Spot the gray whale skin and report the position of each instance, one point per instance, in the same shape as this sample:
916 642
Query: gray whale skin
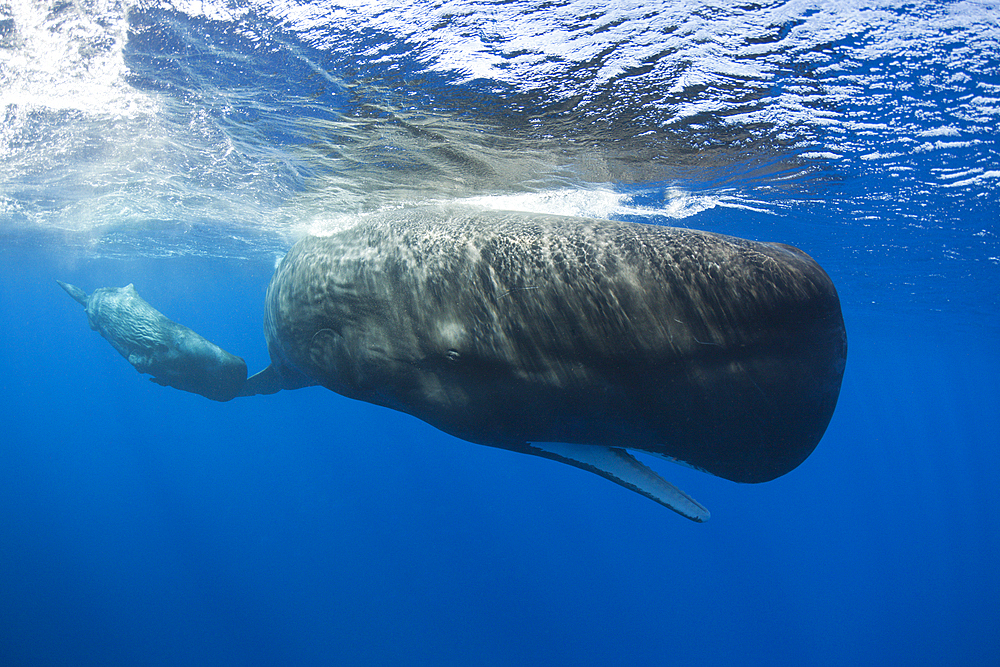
567 338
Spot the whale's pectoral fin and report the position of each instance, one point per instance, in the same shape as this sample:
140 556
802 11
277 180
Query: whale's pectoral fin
268 381
622 468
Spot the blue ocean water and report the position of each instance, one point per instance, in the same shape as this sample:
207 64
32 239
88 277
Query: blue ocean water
184 146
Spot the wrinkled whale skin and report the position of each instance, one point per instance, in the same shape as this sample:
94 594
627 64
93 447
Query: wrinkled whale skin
507 329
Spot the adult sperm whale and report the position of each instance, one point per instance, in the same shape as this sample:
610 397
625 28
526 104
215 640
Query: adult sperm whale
566 338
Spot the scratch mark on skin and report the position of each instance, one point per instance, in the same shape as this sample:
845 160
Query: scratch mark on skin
515 290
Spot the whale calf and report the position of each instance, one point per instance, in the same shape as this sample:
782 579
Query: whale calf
173 354
568 338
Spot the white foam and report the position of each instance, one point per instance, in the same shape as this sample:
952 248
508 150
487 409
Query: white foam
69 56
597 203
945 131
820 155
601 203
974 180
879 156
957 174
593 203
927 146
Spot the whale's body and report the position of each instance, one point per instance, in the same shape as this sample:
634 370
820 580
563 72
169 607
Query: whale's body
568 338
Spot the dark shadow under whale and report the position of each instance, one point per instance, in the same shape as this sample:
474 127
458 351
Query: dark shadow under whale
562 337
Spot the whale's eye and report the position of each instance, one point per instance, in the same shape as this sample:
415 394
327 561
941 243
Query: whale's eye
452 355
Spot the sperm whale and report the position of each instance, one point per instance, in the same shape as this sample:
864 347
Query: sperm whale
572 339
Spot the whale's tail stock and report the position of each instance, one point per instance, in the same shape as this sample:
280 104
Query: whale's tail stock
78 294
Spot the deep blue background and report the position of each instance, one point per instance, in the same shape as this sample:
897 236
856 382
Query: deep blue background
143 525
140 525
